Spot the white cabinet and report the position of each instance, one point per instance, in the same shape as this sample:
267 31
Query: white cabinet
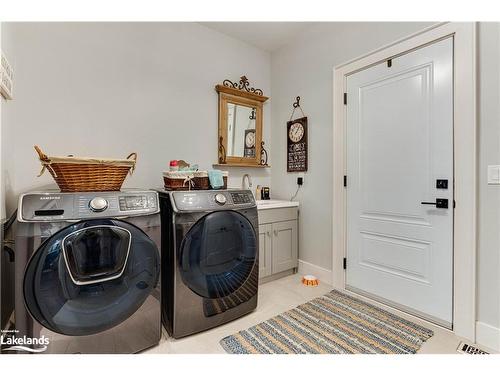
278 242
284 251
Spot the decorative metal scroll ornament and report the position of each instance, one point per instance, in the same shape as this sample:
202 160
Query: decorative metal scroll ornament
252 115
243 85
263 154
222 151
296 105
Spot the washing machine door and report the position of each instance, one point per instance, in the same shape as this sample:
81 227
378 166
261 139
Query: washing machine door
217 254
90 276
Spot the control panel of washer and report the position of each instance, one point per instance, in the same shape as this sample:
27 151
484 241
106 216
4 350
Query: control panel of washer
212 200
56 206
242 198
137 202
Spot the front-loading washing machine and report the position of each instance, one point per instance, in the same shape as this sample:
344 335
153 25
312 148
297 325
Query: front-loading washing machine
210 262
88 272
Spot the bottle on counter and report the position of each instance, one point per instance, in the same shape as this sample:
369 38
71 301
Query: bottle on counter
258 192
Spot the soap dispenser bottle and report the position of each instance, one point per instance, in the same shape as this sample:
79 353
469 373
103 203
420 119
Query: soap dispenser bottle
258 193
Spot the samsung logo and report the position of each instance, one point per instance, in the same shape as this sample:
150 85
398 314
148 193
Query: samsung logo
49 198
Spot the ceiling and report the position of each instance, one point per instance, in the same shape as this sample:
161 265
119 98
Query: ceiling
268 36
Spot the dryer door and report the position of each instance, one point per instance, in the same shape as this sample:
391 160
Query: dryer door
217 254
90 276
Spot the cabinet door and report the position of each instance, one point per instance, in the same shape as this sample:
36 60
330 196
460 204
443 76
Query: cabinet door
285 241
265 249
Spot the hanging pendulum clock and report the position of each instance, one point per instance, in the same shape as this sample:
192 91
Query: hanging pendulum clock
297 145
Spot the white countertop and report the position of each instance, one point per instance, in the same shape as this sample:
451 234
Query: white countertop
275 203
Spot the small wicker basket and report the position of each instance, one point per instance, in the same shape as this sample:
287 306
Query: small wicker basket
74 174
189 180
176 180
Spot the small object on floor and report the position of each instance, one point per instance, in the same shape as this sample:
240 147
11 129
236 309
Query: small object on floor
469 349
333 323
310 280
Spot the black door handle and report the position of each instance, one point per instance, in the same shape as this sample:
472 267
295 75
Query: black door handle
439 203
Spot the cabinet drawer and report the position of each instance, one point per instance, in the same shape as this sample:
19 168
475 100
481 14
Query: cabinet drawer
277 214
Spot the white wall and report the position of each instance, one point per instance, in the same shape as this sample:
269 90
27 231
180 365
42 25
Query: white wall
488 271
107 89
305 68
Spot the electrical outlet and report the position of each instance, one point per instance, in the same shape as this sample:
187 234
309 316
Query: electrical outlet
300 180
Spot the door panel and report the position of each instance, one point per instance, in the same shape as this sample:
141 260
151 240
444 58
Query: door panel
285 241
217 254
96 254
395 255
399 142
265 249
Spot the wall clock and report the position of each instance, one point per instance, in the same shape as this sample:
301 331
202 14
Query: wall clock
297 145
296 132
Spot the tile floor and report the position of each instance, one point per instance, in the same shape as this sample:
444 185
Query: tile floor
274 298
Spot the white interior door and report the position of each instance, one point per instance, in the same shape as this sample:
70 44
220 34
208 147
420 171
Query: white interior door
399 144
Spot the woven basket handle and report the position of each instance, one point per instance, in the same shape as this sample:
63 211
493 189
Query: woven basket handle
133 155
45 161
41 155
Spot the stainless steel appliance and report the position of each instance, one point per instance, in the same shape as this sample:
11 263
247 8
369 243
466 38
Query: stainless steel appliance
87 271
209 258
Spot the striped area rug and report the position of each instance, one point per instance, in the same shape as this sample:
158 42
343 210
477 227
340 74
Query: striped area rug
333 323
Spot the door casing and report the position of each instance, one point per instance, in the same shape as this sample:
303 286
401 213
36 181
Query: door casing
465 160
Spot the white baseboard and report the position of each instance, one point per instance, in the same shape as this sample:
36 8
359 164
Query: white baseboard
323 275
488 336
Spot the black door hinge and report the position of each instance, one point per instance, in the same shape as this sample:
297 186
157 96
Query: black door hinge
345 263
389 63
345 181
454 203
345 98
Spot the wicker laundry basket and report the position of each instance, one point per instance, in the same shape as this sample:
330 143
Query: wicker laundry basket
87 174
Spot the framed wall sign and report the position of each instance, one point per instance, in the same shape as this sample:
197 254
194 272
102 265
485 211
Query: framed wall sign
297 145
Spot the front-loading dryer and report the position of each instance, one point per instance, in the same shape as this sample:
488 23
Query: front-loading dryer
210 262
88 272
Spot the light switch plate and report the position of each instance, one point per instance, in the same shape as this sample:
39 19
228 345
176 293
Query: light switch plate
493 174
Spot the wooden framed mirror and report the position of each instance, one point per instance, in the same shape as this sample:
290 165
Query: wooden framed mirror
240 123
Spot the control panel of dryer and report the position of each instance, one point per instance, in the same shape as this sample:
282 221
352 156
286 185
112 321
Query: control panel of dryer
210 200
55 206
